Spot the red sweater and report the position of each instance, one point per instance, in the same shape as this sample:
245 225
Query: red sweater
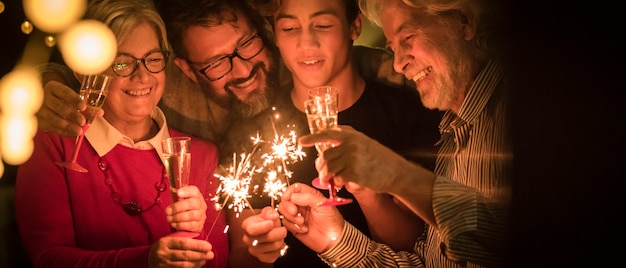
70 219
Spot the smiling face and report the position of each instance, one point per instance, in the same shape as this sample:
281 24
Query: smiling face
132 98
432 50
314 39
246 89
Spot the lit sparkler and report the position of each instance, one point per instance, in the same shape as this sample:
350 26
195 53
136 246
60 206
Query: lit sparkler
285 150
235 181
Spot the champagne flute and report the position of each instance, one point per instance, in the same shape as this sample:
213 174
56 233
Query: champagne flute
177 160
93 91
321 112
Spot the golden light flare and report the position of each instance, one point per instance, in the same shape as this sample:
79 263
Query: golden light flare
54 16
88 47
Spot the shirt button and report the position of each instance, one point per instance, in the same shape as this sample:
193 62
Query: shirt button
102 165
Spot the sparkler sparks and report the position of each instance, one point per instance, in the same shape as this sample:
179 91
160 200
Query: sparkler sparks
236 179
235 183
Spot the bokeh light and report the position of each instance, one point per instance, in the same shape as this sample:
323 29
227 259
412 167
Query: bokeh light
16 140
21 92
21 96
50 41
88 47
54 16
26 27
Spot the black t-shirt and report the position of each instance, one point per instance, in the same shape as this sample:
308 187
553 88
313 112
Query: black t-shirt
395 117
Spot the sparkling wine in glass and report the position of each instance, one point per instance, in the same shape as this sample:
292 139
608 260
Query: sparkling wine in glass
321 112
93 91
177 160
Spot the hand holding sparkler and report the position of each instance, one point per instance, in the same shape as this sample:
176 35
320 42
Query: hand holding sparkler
265 236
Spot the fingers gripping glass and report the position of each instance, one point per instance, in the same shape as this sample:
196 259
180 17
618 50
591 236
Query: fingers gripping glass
177 160
219 68
93 91
126 65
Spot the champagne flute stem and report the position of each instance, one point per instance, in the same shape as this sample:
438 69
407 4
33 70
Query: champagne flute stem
175 196
77 144
331 189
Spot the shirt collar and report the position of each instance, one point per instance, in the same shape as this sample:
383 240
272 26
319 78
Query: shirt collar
477 96
104 137
481 90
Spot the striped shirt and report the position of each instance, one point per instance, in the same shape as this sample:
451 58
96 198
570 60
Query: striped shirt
471 193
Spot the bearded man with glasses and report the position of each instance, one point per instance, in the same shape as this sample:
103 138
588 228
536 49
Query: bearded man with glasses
220 67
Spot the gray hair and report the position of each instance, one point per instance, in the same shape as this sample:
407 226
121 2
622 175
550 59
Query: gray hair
486 13
122 16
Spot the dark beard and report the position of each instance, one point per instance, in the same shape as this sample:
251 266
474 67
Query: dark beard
258 100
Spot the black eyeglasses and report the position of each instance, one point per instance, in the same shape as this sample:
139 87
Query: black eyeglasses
219 68
126 65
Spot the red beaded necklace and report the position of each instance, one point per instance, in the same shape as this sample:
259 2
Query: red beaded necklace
132 208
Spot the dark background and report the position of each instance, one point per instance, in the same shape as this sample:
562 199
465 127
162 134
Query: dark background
568 190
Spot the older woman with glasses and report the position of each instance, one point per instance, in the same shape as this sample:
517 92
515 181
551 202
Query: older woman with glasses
72 219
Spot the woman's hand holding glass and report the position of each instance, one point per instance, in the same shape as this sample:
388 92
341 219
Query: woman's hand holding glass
93 91
61 110
177 159
189 212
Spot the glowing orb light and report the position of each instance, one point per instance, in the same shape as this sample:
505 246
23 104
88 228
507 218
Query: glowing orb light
21 92
26 27
50 41
54 16
88 47
16 143
21 97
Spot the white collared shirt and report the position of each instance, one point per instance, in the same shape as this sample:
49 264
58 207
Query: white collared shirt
104 137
